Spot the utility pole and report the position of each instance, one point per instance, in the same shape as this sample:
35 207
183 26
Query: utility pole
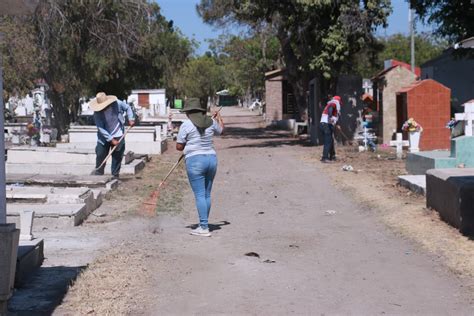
411 19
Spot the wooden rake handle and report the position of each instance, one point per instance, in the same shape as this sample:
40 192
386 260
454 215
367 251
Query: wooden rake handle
172 169
113 149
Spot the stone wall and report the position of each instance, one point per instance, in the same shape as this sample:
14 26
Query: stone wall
429 103
394 80
274 98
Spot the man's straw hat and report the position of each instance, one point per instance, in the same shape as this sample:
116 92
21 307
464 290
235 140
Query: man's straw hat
102 101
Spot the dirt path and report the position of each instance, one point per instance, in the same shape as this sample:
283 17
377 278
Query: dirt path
320 252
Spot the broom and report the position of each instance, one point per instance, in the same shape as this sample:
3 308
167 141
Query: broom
152 201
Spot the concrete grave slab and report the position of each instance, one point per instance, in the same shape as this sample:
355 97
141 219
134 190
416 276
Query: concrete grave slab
451 193
415 183
89 134
461 153
53 195
419 163
139 147
58 215
45 155
70 169
90 181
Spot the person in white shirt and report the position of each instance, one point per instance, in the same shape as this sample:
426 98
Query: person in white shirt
195 140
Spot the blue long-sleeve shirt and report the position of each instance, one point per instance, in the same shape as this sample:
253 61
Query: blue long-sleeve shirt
107 131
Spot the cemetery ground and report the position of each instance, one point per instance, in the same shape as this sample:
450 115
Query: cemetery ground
290 235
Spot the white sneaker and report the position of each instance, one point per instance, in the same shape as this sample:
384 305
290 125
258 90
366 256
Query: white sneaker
201 232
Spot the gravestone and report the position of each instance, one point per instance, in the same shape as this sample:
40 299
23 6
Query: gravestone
467 117
26 225
54 161
20 110
399 143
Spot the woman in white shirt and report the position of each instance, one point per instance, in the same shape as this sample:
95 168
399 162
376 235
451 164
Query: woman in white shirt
195 140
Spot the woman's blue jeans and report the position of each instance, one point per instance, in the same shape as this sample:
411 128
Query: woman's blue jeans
201 171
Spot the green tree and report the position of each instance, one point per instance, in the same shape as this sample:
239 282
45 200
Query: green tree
397 47
81 47
245 61
21 57
202 77
454 19
87 45
320 36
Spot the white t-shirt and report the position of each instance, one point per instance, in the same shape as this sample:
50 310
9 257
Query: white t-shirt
197 144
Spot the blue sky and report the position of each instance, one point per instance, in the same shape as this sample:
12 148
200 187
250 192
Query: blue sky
185 17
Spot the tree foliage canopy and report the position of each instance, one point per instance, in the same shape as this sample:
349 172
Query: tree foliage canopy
81 47
454 18
397 47
320 36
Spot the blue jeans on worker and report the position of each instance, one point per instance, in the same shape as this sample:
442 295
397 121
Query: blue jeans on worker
102 150
328 140
201 171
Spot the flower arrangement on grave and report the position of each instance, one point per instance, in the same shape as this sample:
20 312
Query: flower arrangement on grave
451 123
33 131
412 126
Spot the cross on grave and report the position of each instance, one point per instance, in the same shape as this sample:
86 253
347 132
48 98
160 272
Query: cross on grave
467 116
399 143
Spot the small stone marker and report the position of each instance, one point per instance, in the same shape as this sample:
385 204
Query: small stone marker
399 143
26 225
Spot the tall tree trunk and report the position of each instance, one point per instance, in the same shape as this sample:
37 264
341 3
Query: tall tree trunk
61 112
297 79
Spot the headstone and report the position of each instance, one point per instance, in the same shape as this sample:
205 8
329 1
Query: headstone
26 225
15 139
399 143
45 138
20 110
468 117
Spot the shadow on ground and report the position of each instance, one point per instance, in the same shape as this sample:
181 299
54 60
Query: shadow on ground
212 227
262 137
44 291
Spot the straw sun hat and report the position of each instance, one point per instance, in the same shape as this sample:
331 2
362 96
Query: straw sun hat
102 101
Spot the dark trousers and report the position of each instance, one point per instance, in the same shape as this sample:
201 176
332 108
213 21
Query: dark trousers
102 151
327 131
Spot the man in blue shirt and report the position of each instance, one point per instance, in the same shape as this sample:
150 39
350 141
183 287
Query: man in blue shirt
110 122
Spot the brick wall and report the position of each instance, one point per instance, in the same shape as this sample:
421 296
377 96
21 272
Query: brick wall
395 79
429 104
274 98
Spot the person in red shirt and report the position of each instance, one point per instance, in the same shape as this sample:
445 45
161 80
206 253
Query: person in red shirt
329 119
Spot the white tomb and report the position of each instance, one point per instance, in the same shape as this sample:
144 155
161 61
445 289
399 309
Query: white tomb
147 140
